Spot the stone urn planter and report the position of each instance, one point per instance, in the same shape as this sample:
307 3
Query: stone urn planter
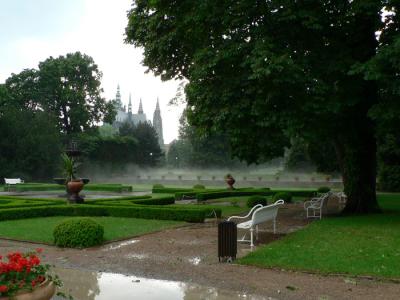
74 187
230 181
44 291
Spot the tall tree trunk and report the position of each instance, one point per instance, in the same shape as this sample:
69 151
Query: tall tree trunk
356 151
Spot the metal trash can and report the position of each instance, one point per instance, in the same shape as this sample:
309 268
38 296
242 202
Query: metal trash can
227 241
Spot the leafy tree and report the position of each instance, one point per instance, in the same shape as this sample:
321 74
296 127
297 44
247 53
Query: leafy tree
202 150
30 144
70 88
148 151
67 87
265 71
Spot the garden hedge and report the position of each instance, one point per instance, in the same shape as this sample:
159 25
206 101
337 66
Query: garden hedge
107 187
135 211
233 193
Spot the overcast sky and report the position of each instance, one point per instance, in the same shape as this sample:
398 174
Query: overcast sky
31 31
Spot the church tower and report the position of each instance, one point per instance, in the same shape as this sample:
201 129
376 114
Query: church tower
140 111
157 124
130 107
118 102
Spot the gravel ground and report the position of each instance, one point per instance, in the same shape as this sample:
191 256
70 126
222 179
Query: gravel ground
189 254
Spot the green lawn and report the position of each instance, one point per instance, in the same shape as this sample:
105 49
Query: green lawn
41 229
359 245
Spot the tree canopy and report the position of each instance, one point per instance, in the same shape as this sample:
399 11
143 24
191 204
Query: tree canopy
68 87
265 71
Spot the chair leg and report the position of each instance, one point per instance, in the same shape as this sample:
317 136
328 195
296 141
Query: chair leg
251 237
256 232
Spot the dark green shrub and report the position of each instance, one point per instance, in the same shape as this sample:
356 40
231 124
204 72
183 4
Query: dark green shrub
286 196
78 233
389 178
323 189
170 190
158 186
254 200
233 193
199 187
298 193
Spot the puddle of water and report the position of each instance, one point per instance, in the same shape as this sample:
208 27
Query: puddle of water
136 256
86 285
195 260
120 245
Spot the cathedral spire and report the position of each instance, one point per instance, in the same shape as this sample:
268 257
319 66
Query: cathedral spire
140 111
157 124
130 104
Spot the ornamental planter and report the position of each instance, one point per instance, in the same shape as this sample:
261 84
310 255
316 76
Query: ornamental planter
74 187
44 291
230 182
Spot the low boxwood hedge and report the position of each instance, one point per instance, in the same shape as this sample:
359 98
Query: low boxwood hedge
134 211
106 187
78 233
225 194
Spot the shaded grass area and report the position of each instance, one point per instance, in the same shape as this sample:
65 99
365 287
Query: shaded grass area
41 229
356 245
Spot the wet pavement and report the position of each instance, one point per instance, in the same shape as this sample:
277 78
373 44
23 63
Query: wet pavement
86 285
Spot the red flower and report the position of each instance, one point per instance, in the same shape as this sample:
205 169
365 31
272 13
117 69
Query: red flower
3 288
39 250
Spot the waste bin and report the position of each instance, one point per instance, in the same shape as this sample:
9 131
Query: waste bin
227 241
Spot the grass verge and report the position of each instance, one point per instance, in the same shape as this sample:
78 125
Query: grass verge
41 229
357 245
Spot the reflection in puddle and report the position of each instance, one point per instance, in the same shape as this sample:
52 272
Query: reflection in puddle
195 260
120 245
136 256
86 285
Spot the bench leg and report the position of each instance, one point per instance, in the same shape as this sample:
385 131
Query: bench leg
251 236
274 226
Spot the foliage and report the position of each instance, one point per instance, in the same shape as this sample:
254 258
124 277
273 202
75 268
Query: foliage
158 186
148 152
196 149
78 233
69 167
286 196
389 162
323 189
141 212
254 200
231 193
30 144
199 187
257 76
22 272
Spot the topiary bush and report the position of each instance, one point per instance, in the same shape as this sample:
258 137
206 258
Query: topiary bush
78 233
286 196
158 186
199 187
254 200
323 189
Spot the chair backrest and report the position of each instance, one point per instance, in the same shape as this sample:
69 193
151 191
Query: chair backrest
266 213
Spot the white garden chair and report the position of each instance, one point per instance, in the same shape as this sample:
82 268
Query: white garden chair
316 206
259 214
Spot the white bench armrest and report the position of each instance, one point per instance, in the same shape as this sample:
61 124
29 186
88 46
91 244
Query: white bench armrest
246 216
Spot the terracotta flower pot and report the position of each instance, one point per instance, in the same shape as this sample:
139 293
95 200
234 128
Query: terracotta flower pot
44 291
73 188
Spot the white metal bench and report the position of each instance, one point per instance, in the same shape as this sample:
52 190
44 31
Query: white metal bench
259 214
11 181
317 205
